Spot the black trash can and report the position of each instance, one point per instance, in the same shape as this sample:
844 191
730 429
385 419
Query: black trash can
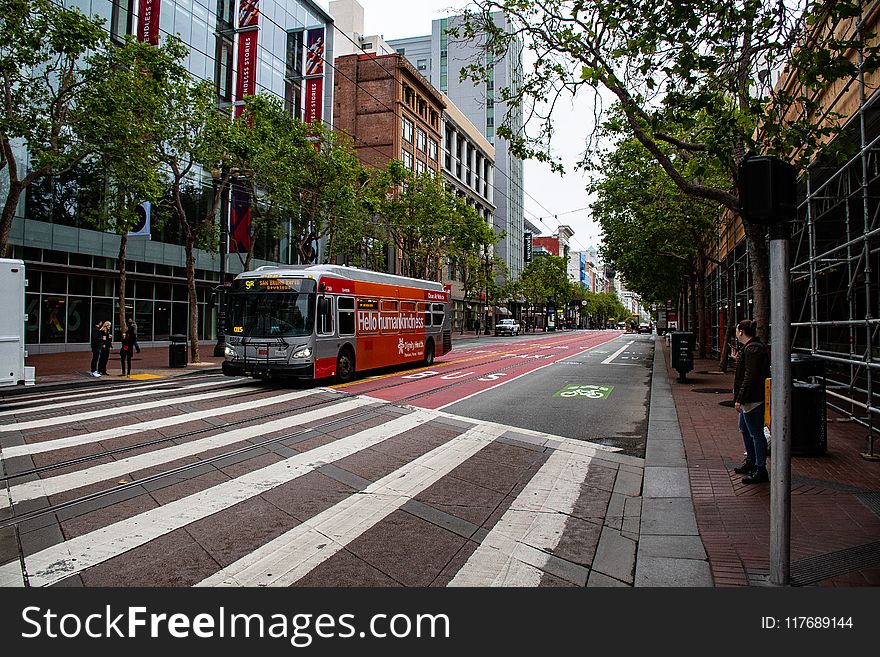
177 351
682 352
809 417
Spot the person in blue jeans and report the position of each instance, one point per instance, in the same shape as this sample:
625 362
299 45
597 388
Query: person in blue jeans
752 369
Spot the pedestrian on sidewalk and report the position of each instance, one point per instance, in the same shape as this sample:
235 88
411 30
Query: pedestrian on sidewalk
97 341
752 369
129 344
106 344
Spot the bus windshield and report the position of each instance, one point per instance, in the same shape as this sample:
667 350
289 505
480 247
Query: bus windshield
271 315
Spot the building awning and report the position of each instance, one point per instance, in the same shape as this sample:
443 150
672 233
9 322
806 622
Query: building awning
501 310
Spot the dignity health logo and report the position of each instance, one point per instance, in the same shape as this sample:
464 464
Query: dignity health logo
400 346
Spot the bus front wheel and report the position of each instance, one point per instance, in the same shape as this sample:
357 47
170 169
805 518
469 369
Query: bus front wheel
429 353
344 366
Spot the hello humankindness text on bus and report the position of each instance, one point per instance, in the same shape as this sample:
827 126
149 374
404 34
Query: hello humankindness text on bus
384 322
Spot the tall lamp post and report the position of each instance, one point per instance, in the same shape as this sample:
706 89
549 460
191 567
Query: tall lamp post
220 347
486 306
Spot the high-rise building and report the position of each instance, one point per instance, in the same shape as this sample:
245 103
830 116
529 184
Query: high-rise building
279 47
440 57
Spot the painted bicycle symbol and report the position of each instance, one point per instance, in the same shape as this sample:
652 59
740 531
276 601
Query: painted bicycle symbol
587 391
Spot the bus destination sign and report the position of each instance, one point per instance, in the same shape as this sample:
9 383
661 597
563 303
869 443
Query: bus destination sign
273 284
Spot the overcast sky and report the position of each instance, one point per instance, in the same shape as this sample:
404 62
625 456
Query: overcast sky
546 193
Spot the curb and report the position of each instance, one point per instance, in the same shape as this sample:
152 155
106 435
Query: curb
670 551
74 384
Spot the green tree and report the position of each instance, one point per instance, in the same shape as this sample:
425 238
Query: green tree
656 236
121 113
42 78
701 78
201 148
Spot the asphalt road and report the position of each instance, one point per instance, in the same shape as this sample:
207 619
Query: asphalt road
496 466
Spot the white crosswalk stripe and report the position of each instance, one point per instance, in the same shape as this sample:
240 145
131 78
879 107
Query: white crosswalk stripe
145 391
75 555
71 481
516 549
517 540
161 423
289 557
119 410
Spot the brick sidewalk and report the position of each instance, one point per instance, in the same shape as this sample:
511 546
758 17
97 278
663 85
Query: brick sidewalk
835 534
151 362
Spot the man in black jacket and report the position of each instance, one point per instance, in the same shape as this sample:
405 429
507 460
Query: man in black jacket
752 369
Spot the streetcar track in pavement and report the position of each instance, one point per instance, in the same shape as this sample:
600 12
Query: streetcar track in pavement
17 519
266 416
96 389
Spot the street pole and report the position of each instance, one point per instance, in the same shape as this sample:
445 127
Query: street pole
780 407
220 347
486 307
768 197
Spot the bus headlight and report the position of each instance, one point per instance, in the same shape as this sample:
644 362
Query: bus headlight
305 352
229 351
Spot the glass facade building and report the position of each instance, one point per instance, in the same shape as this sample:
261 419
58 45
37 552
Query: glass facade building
72 268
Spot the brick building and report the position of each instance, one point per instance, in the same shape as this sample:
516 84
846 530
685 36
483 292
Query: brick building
390 110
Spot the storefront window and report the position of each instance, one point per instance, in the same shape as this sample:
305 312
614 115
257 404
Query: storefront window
32 325
78 325
143 317
52 320
162 319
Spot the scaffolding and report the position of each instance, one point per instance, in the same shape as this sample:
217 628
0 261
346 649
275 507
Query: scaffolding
835 273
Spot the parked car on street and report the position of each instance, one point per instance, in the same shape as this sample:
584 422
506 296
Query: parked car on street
646 328
507 327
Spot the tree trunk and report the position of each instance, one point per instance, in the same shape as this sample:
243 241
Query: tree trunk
701 307
759 265
9 207
191 296
123 244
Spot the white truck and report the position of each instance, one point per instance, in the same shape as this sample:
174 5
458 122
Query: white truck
12 320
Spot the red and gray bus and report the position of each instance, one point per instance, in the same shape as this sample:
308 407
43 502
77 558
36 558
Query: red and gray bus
319 321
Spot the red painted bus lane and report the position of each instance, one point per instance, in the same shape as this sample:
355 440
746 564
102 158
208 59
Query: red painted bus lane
475 371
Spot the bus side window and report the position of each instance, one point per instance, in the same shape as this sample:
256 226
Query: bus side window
439 311
426 309
325 315
345 306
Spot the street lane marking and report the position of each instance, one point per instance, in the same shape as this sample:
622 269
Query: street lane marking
617 353
140 392
516 550
60 561
161 423
73 480
584 391
488 354
495 387
118 410
286 559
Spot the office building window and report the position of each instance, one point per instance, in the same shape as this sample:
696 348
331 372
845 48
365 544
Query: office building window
432 149
121 20
421 139
422 64
407 130
408 160
294 55
421 167
223 69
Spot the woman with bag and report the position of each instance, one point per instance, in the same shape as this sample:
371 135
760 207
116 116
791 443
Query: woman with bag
106 344
129 344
